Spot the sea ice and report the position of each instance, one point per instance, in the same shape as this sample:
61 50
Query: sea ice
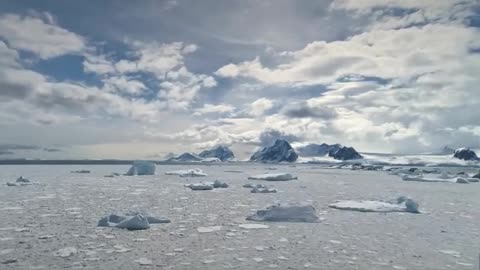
286 213
141 167
401 204
187 173
273 177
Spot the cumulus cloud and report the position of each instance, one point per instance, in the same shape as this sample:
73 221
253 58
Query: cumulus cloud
40 36
216 109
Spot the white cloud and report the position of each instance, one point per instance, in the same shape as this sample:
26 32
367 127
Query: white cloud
39 36
260 106
401 54
124 85
218 109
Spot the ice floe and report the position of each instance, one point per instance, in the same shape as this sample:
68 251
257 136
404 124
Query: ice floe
131 221
401 204
209 229
141 167
81 171
263 189
188 173
273 177
442 178
200 186
21 181
253 226
286 213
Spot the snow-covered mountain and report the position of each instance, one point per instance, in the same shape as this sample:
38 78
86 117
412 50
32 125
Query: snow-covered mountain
335 151
223 153
280 151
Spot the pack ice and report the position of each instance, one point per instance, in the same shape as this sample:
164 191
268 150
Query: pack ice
286 213
273 177
141 167
401 204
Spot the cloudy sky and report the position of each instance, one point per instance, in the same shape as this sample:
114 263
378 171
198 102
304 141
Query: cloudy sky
135 79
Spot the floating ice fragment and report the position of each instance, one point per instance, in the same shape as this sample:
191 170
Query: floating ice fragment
200 186
141 167
143 261
188 173
65 252
286 213
131 221
401 204
209 229
273 177
253 226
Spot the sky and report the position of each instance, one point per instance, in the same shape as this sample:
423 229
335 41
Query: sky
140 79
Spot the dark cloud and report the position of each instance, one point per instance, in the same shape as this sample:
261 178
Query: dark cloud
303 110
4 152
268 137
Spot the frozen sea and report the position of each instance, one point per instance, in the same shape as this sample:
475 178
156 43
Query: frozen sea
52 224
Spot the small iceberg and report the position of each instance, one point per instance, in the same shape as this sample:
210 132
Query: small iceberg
21 181
438 178
286 213
200 186
207 186
219 184
188 173
80 171
141 167
273 177
401 204
130 221
263 189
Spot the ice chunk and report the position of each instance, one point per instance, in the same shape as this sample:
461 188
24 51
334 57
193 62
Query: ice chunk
141 167
253 226
137 222
65 252
273 177
132 221
200 186
248 186
286 213
188 173
151 219
209 229
81 171
219 184
462 180
263 189
22 179
401 204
